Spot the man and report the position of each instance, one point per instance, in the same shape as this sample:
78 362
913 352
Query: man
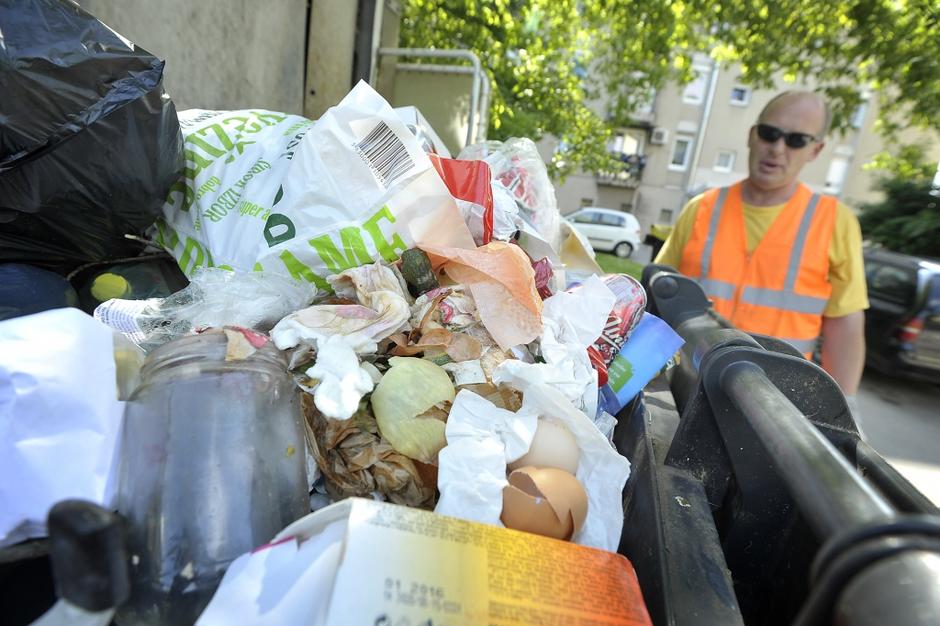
774 257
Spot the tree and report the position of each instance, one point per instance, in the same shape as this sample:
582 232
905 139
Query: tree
908 219
577 68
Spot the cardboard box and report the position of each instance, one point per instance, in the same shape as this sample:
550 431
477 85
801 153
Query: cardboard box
398 566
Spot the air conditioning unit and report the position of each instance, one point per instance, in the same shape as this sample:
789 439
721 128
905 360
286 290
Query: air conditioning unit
659 136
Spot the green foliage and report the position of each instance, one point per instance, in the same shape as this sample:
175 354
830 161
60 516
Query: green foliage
908 220
538 52
910 163
615 265
534 53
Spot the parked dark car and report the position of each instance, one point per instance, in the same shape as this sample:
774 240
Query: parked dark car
902 327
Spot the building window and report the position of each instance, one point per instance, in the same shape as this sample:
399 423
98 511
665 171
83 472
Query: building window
681 153
694 92
665 216
622 143
616 143
724 161
587 202
740 96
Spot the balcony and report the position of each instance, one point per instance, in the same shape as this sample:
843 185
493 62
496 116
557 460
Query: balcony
626 171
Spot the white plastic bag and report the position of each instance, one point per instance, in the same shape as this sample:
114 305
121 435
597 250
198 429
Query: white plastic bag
280 193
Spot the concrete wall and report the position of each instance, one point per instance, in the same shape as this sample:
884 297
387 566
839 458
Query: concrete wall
616 198
220 54
330 54
577 190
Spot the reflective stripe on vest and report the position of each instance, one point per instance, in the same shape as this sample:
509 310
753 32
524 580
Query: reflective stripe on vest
804 346
712 231
712 287
717 288
786 300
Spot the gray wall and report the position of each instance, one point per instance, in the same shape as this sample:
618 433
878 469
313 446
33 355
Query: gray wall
220 54
329 54
443 99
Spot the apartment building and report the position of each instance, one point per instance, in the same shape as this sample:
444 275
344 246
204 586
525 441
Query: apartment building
692 137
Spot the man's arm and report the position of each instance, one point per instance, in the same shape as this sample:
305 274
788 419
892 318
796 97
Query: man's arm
843 349
671 252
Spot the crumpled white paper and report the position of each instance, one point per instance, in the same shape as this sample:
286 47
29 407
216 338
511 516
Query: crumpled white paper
570 323
342 380
59 417
288 582
466 372
481 440
601 470
340 332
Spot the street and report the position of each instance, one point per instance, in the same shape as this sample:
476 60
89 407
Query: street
901 420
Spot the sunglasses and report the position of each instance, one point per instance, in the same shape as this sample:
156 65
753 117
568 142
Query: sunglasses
771 134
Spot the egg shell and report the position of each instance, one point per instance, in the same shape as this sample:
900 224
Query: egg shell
552 446
545 501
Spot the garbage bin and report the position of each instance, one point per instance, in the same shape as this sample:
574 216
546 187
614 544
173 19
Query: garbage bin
753 500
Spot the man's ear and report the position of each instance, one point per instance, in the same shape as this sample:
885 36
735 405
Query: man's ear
817 148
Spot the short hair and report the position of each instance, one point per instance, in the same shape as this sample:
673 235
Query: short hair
827 111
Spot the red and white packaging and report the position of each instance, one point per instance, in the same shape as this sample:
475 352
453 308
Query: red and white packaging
469 182
624 317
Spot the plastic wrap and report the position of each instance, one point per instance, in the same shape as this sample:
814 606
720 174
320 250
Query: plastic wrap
214 298
518 168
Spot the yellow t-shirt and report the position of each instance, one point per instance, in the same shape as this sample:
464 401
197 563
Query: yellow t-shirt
846 267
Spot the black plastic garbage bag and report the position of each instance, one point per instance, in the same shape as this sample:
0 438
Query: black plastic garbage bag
89 142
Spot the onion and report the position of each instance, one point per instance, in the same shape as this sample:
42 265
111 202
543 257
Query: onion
405 407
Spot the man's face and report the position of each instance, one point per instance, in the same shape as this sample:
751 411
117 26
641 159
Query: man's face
774 165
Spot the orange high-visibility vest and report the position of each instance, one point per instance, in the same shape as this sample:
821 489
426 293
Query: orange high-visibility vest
781 289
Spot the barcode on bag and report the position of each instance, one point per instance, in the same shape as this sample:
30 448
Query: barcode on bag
385 153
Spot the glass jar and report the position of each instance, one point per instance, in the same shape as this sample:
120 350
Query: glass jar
212 466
